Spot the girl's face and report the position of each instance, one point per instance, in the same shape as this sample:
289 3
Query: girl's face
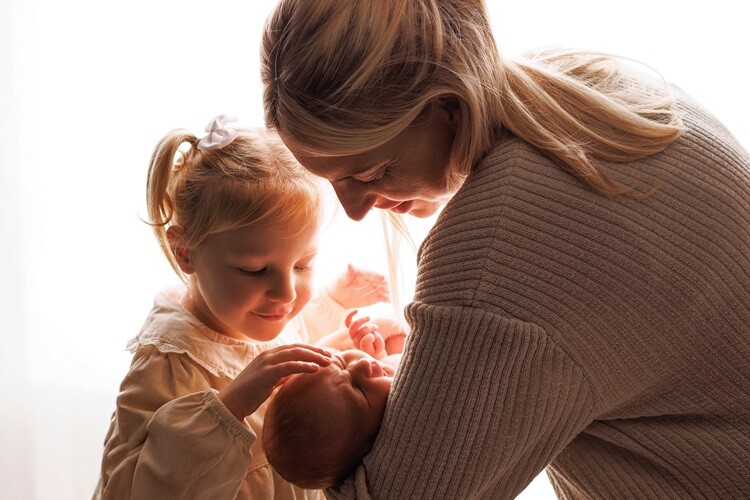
405 174
249 282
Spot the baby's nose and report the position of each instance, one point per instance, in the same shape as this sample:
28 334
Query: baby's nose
362 367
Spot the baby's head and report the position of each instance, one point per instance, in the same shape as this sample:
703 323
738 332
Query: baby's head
319 426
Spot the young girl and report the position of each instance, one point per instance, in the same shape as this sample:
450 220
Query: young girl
238 220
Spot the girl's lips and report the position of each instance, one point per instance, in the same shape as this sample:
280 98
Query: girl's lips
272 317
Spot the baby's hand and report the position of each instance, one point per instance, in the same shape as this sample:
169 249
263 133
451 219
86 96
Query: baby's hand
255 383
365 335
392 332
359 288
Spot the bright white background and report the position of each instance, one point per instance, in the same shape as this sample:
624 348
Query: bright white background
86 90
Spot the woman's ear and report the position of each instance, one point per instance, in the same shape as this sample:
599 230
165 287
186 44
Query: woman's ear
178 244
451 105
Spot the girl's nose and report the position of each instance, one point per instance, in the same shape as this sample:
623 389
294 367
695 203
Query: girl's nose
282 289
354 198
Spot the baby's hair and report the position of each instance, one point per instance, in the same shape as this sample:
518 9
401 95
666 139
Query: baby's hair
305 446
577 107
254 179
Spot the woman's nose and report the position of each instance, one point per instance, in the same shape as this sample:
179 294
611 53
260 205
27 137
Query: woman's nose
354 198
282 289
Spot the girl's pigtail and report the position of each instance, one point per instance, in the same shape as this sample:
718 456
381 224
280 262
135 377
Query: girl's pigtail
164 172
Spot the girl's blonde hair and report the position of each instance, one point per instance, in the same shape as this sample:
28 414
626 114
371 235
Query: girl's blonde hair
253 179
342 77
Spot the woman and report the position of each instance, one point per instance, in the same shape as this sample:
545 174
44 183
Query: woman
583 301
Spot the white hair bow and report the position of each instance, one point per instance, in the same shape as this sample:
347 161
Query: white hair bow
219 134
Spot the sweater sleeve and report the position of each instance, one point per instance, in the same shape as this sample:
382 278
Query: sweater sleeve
480 404
170 435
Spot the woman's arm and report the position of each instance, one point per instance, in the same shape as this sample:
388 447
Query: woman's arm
479 406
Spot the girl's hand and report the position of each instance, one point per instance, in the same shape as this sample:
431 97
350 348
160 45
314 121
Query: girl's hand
359 288
254 384
365 335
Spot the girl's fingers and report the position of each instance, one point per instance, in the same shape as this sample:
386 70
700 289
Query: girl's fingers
299 352
284 370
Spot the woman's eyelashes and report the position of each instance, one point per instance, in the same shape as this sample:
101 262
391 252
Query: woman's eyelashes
255 273
379 175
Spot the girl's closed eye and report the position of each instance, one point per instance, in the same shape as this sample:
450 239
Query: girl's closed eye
253 272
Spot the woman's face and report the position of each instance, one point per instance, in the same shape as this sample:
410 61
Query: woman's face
405 174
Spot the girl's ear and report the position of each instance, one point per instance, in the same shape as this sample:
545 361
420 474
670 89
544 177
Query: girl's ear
451 105
177 242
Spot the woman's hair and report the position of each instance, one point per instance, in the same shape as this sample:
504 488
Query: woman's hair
207 191
342 77
305 445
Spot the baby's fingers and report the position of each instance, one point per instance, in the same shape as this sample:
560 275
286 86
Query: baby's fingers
373 344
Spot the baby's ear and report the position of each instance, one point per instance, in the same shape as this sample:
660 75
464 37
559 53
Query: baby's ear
178 245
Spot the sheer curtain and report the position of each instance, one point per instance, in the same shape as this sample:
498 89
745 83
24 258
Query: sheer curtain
86 90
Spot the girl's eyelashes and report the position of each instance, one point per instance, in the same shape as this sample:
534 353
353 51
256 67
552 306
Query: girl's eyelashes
251 272
260 272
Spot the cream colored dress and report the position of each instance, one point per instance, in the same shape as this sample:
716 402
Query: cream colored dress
170 436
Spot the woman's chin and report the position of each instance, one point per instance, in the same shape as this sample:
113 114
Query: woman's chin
424 209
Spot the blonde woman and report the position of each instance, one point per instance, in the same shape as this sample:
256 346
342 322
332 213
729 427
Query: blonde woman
583 300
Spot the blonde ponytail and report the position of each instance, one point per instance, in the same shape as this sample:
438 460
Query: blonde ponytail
253 179
160 183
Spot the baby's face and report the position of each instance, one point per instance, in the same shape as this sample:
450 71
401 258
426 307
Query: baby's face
354 383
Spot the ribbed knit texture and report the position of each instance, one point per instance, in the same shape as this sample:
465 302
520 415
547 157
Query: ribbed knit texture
607 337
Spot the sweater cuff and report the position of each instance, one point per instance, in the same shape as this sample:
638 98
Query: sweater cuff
226 419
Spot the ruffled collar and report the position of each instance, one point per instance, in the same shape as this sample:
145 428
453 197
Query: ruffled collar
171 328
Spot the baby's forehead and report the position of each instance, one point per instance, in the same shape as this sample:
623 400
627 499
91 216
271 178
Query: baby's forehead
325 383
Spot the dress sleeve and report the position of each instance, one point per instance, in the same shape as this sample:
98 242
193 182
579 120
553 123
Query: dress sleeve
171 435
479 406
322 316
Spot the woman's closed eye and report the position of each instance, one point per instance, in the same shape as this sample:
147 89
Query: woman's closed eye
378 176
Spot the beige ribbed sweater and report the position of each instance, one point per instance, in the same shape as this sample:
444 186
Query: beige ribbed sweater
608 338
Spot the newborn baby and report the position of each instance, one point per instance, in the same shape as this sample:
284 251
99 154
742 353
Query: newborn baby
319 426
